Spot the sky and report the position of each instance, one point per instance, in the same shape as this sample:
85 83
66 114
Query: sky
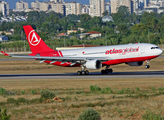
12 3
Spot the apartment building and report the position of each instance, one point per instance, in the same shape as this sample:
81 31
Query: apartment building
45 6
134 6
58 8
36 5
57 1
85 9
97 7
73 8
117 3
4 8
22 5
146 3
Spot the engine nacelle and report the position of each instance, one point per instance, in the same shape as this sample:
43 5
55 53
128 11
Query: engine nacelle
135 63
93 64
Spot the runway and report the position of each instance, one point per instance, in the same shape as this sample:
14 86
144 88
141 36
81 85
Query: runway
95 75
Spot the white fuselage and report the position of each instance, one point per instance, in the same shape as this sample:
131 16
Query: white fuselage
116 51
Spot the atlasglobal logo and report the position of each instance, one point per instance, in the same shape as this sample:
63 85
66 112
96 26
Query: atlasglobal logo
122 51
33 39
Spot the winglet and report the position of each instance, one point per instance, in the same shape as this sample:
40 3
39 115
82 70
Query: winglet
5 54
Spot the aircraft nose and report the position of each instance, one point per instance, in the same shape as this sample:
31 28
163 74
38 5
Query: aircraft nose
160 51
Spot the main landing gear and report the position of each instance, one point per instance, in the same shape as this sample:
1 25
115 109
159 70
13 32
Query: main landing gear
83 71
147 64
106 71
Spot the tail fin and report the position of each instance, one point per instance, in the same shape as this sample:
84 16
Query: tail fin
36 43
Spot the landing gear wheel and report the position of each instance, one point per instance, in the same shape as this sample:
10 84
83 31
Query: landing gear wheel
79 72
147 66
102 71
87 72
83 72
110 70
106 71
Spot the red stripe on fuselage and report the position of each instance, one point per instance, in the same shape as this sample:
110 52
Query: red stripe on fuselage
61 53
127 60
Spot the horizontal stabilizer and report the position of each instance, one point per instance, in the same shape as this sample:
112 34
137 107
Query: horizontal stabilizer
5 54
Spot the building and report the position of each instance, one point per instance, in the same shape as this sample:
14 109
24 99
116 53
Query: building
81 29
117 3
22 5
36 5
97 7
58 8
107 19
141 4
71 31
57 1
153 8
73 8
4 8
162 4
134 6
44 6
85 9
3 38
146 3
160 10
94 34
108 7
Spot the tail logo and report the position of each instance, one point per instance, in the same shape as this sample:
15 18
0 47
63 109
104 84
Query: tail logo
33 39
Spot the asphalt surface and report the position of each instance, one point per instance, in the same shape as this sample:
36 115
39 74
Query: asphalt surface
94 75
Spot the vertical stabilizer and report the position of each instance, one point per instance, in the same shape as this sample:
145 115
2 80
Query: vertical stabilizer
36 43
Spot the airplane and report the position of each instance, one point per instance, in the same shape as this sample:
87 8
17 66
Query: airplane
90 58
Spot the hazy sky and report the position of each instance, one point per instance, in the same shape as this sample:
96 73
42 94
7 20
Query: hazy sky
12 3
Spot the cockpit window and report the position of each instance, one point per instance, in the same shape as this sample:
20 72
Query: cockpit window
154 47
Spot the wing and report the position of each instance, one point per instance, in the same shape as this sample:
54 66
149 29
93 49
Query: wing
63 59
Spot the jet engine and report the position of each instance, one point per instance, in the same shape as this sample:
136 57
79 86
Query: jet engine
135 63
93 64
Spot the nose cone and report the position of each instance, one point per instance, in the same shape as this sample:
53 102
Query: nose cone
160 51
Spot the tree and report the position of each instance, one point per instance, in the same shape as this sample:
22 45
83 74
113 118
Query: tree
123 29
124 10
85 21
105 13
118 18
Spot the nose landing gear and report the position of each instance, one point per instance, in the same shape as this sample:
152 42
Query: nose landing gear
106 71
147 64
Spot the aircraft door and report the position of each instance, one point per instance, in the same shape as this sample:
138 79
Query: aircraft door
142 51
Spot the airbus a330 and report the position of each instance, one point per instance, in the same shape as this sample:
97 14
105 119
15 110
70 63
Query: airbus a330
90 58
